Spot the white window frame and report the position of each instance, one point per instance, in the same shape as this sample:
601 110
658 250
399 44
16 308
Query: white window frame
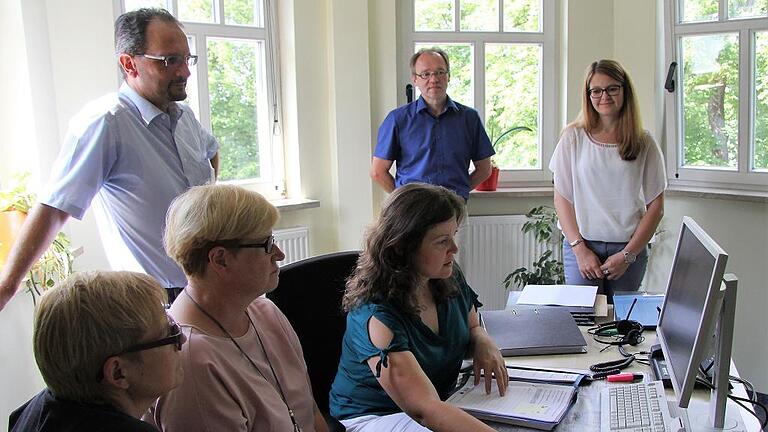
548 132
741 178
272 183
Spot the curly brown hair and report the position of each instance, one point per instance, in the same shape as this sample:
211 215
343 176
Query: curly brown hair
386 270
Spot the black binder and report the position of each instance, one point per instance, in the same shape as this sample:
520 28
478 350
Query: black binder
529 330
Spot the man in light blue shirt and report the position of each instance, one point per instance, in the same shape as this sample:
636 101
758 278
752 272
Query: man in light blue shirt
132 153
433 138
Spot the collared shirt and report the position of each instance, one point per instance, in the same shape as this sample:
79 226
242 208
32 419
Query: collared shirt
434 150
134 159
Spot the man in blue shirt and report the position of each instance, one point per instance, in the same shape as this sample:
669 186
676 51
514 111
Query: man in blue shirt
131 153
433 138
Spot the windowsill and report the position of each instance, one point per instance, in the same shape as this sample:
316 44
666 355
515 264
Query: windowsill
672 191
293 204
514 192
715 193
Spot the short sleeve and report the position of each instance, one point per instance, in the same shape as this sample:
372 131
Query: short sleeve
357 327
483 149
561 163
387 143
654 175
83 165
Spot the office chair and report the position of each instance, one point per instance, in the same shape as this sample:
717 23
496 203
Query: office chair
309 294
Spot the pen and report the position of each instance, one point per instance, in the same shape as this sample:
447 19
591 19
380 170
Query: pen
625 377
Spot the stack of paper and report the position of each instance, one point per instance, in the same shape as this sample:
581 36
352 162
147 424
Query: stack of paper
582 301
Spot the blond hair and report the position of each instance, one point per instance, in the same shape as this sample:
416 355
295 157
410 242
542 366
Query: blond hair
87 318
205 216
631 138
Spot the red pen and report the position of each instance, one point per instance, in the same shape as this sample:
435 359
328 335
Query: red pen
625 377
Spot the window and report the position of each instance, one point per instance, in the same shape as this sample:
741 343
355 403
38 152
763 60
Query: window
232 89
502 64
718 113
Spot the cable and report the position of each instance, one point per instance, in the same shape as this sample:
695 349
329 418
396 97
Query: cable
736 399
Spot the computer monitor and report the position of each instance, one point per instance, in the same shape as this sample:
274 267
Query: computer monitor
696 307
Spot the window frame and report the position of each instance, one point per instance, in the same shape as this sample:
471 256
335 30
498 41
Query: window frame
549 77
742 178
272 187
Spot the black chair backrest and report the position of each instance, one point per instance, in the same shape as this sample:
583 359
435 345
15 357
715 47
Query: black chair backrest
309 294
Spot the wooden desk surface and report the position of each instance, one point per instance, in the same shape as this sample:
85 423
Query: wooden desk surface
585 414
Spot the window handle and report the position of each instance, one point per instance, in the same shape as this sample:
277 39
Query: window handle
409 93
669 84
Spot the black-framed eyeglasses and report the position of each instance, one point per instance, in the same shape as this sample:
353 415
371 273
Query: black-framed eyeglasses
268 245
172 61
174 338
438 74
597 92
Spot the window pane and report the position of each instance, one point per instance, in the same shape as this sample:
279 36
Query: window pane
460 87
433 15
699 10
193 93
131 5
238 106
513 99
710 100
479 15
760 160
747 8
244 12
522 15
196 11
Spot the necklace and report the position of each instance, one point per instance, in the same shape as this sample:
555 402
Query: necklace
296 427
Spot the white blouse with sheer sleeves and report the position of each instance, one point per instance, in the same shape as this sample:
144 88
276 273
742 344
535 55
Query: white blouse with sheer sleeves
609 195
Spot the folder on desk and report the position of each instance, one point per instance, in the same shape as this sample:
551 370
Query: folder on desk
538 405
529 330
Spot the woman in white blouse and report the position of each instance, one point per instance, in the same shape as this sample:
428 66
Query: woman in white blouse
609 184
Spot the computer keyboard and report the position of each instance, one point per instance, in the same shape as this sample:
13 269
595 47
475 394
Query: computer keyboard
640 407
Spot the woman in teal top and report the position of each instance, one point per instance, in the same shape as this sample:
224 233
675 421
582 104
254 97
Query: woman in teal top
411 320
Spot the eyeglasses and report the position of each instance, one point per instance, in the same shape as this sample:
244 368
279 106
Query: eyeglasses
175 338
173 61
597 92
267 245
438 74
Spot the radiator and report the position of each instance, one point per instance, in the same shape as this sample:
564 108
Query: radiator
294 242
490 248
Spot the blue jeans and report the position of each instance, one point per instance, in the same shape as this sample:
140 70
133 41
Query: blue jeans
629 281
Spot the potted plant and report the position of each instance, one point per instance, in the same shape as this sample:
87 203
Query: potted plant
492 181
542 221
56 263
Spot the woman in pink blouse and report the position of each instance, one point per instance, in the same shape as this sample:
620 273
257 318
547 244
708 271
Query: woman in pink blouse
243 365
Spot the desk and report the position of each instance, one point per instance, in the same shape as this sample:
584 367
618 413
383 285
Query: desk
585 414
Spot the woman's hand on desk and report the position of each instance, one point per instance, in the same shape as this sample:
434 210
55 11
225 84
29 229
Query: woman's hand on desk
486 357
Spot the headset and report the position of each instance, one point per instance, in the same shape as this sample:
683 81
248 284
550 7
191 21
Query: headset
626 331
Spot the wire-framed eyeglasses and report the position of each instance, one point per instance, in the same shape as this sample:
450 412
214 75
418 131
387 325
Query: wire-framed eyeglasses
172 61
597 92
438 74
268 245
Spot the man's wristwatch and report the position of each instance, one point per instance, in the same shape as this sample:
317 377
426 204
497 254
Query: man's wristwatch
629 257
